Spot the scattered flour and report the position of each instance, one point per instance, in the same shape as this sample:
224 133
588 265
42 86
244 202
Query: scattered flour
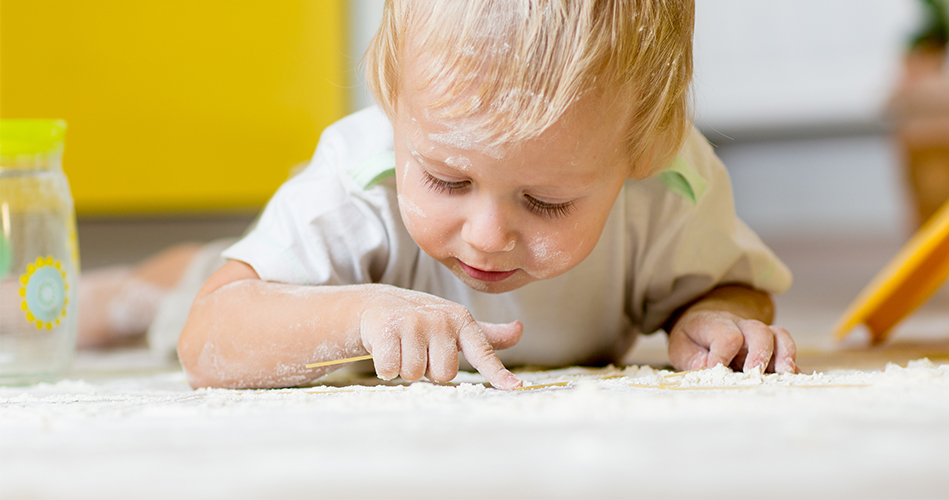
549 261
466 138
409 206
169 387
606 432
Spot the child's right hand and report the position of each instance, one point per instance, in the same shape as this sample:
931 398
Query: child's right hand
413 334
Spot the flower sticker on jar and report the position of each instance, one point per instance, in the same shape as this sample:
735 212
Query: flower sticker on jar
44 293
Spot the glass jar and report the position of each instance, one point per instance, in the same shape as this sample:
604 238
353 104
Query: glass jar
39 254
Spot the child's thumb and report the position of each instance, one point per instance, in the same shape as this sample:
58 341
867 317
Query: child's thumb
502 336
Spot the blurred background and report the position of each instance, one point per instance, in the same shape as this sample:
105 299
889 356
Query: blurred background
185 116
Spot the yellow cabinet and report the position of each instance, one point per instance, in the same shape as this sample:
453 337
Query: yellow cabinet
176 105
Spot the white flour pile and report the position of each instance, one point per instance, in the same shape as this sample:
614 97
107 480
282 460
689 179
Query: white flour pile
573 433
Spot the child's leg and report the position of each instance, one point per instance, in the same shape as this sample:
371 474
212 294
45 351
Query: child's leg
120 302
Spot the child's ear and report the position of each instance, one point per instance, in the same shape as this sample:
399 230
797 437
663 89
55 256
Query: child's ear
638 171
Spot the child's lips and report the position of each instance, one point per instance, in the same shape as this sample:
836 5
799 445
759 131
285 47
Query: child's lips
480 274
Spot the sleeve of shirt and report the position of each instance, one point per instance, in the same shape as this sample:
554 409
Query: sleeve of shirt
319 228
687 239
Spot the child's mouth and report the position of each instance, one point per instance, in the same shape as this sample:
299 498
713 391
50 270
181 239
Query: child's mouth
482 275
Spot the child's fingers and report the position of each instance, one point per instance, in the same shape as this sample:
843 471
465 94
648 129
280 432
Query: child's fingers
724 340
760 344
502 336
785 351
704 342
414 358
442 359
684 353
479 352
386 350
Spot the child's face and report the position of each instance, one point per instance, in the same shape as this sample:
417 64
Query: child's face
500 219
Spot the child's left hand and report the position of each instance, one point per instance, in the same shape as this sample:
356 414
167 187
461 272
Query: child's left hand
708 333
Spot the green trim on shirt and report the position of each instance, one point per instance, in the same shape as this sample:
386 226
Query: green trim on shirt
374 170
682 179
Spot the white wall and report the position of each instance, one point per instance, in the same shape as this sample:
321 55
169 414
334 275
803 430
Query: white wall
813 78
797 63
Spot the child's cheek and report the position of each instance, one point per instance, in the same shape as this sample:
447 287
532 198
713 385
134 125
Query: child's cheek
411 202
548 258
427 218
412 214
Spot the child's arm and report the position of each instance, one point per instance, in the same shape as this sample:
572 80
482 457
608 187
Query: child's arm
243 332
731 325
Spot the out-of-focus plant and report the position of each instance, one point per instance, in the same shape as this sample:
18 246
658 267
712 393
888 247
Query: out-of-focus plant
934 34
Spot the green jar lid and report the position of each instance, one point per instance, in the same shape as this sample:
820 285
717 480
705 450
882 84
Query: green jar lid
30 137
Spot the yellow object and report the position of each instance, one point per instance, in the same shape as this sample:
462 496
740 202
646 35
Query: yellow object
339 361
45 293
916 272
176 104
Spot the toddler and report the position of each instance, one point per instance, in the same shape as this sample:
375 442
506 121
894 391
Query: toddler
530 191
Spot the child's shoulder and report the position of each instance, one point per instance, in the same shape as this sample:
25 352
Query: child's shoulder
358 136
367 124
686 178
698 153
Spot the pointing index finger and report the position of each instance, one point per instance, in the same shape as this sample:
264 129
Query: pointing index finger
478 351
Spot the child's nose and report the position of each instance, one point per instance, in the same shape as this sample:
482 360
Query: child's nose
488 230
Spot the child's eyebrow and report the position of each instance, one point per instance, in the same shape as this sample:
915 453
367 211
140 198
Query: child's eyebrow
421 159
427 160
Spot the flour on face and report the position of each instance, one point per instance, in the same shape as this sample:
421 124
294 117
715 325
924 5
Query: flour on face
460 162
465 138
549 261
409 206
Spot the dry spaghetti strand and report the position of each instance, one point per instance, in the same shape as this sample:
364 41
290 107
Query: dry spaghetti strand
339 361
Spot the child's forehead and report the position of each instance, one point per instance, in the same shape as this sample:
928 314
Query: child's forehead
436 136
583 139
465 115
445 113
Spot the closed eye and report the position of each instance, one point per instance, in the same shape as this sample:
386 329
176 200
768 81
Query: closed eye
441 185
553 210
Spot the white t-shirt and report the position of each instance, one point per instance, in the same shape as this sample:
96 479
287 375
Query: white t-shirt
668 239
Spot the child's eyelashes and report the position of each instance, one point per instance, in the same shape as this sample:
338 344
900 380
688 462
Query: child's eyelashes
553 210
441 185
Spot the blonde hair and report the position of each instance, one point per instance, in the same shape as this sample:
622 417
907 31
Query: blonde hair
514 67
